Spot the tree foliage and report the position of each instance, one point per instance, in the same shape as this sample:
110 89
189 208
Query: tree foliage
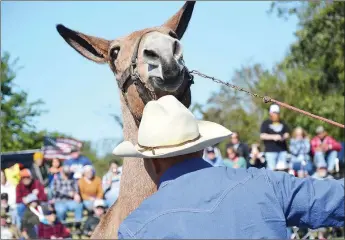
17 113
310 77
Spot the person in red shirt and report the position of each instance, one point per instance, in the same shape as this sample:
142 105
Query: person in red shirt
324 149
52 228
26 186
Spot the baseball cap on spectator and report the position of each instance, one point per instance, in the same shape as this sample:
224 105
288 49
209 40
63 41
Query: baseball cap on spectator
274 108
319 129
38 155
48 210
99 203
30 198
25 173
210 149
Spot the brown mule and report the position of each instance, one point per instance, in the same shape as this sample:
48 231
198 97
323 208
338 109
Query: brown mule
147 64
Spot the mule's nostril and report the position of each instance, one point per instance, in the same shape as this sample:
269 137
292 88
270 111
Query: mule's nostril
150 54
177 49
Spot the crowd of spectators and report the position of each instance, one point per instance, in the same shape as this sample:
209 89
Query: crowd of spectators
35 202
296 153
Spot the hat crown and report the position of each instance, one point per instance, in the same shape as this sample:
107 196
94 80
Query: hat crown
274 108
31 197
166 122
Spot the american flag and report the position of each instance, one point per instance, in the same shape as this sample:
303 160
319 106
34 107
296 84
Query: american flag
57 147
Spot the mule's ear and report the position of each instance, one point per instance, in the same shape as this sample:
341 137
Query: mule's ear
93 48
179 22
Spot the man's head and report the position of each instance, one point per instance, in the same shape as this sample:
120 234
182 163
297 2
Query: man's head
274 112
75 153
320 131
38 158
26 176
168 134
65 172
99 207
235 138
50 214
211 153
155 167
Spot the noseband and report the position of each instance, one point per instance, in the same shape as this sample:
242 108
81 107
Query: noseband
131 76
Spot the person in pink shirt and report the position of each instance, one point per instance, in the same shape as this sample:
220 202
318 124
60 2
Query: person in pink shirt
324 149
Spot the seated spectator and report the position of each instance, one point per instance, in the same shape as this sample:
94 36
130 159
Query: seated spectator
77 161
240 147
66 196
54 173
55 169
7 187
8 231
4 203
111 184
10 211
90 187
52 228
233 160
299 149
39 169
32 216
12 174
256 157
321 171
92 221
213 156
26 186
325 149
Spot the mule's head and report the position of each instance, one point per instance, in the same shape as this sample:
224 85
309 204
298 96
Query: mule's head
148 64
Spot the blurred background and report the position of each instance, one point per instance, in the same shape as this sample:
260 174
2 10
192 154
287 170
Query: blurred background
55 102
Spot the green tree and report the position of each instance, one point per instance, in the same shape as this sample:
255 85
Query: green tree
310 77
17 113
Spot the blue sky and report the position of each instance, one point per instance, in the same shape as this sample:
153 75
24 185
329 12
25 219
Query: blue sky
79 94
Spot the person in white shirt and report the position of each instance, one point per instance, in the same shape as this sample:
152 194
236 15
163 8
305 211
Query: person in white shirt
8 189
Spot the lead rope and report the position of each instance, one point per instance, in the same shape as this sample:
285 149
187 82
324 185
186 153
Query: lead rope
267 99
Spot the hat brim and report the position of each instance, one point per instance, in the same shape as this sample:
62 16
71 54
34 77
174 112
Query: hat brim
210 134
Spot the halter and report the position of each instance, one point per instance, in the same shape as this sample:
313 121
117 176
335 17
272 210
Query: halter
132 76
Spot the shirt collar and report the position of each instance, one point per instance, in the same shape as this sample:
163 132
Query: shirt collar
179 169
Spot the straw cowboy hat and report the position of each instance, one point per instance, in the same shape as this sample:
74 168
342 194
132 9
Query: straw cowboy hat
169 129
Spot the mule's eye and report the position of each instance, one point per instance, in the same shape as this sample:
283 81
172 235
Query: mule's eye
114 52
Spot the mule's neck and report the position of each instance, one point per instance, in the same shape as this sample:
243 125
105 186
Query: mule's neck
130 129
136 185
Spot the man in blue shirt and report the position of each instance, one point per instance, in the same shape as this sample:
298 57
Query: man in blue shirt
76 162
196 200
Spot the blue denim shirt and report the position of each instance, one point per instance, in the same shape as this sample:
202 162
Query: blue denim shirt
196 200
